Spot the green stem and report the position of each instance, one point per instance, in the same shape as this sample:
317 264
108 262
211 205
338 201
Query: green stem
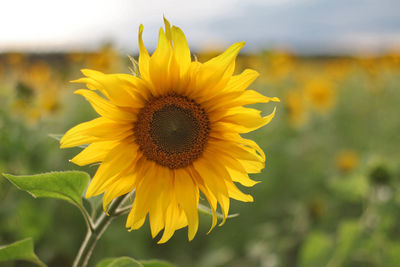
94 234
87 218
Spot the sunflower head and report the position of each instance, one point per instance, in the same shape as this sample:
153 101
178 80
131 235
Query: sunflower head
347 160
321 93
171 134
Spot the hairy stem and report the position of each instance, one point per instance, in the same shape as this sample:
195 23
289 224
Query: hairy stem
94 234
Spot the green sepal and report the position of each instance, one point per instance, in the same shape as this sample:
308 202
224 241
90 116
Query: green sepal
206 210
58 137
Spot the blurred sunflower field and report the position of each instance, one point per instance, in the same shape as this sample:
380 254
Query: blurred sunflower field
329 195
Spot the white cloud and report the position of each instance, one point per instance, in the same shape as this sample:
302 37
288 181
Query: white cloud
49 24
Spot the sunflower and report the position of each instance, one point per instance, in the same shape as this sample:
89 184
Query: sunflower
347 160
296 107
321 93
171 134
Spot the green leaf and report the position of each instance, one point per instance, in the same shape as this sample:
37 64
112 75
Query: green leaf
392 254
316 250
67 185
20 250
94 203
348 236
157 263
129 262
352 188
119 262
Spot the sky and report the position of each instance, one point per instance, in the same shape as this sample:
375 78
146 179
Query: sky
308 26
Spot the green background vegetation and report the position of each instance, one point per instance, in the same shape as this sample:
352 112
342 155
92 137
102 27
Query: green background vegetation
314 206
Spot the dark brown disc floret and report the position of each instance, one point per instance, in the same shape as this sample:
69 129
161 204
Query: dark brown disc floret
172 130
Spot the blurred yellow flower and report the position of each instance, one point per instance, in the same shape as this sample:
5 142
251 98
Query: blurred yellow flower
280 64
171 133
337 69
15 58
36 92
316 208
347 160
296 107
76 56
49 98
38 73
105 60
320 93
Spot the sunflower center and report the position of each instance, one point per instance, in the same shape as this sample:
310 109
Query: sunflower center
172 130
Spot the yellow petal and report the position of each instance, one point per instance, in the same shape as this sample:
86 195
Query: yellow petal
206 191
187 84
245 120
236 171
137 225
105 108
236 150
115 163
122 89
157 219
235 99
187 196
149 177
174 77
224 175
211 174
181 50
252 166
174 219
91 84
234 192
121 187
168 30
163 191
100 129
95 152
215 73
241 176
159 64
237 139
242 81
144 57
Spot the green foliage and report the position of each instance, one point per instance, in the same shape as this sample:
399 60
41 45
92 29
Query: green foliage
156 263
20 250
352 188
393 255
307 211
347 241
316 250
68 185
119 262
380 175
